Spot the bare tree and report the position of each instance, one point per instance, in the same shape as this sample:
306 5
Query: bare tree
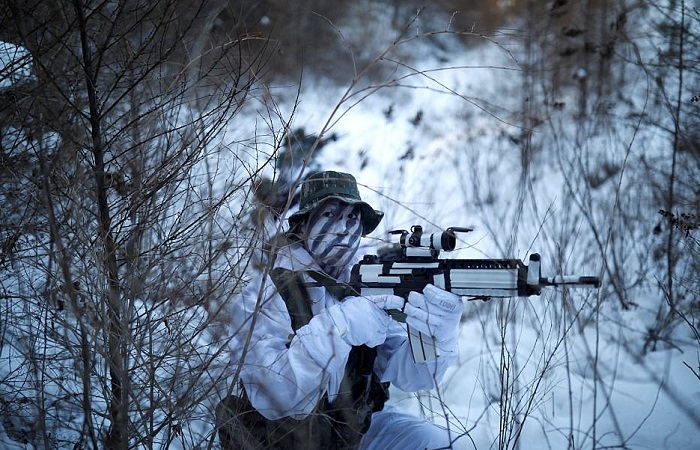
125 190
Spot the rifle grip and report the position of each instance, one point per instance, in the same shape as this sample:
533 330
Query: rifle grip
397 315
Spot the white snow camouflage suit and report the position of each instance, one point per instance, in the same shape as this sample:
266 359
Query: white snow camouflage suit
292 378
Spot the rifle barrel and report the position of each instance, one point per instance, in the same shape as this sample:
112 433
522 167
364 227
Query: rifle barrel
570 280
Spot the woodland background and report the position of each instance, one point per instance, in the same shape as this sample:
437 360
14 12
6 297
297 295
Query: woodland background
137 138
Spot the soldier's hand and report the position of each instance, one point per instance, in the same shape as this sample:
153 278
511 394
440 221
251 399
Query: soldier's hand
363 320
435 312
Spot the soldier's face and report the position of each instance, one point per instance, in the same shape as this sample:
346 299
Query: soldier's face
332 233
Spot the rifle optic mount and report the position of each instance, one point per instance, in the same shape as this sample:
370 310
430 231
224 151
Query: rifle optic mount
417 244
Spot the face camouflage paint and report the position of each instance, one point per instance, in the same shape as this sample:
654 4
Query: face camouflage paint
332 235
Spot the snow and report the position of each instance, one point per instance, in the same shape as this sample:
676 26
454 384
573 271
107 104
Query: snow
14 64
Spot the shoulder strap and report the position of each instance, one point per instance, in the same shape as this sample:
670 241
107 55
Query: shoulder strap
294 294
292 288
338 289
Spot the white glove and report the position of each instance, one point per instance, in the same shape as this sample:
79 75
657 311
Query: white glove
435 313
363 320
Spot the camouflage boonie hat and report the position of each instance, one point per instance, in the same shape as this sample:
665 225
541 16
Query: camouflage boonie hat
321 186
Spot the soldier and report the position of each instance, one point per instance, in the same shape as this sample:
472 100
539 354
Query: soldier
316 362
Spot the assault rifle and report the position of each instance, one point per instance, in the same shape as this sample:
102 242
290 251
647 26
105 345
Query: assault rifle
416 264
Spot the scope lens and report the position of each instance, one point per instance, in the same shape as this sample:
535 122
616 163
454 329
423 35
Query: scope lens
448 241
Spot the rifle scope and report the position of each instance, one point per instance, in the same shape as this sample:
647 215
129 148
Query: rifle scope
446 240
